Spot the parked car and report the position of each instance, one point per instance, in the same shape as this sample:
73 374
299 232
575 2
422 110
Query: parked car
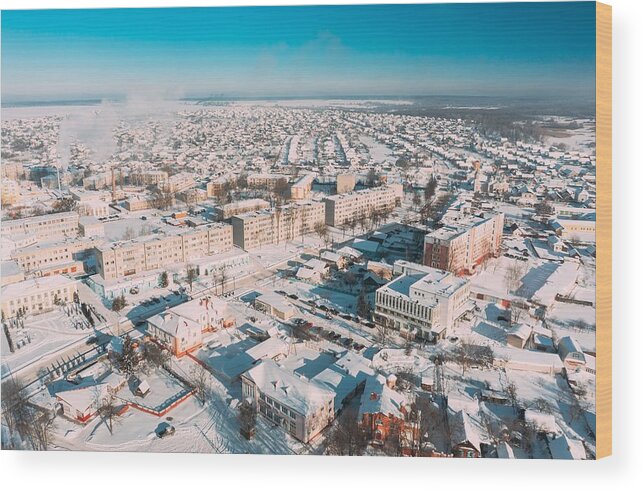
168 430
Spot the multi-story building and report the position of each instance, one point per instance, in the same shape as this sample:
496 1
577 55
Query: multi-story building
302 187
119 259
223 212
462 245
342 208
421 302
277 225
10 192
266 181
37 295
55 225
10 272
180 182
137 203
217 185
12 170
345 183
93 208
45 255
302 407
150 177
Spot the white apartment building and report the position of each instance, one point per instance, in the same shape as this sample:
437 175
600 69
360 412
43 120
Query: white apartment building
37 295
45 255
119 259
277 225
342 208
302 407
223 212
55 225
422 301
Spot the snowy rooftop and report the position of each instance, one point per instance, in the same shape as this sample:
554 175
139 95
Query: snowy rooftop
36 285
299 394
378 398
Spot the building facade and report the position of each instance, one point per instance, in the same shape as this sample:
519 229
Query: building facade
119 259
342 208
463 245
55 225
37 295
422 302
277 225
302 407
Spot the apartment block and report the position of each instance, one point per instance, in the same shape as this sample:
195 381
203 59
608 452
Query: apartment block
119 259
345 183
267 181
217 185
55 225
302 187
180 182
9 192
342 208
223 212
421 302
462 245
44 255
277 225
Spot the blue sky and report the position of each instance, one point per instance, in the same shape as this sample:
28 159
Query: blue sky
540 50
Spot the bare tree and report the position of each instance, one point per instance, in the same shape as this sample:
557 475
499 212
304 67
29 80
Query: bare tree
155 355
512 394
247 419
108 409
14 405
364 308
347 436
350 279
468 355
223 275
393 443
382 334
31 424
514 274
321 229
191 275
41 428
200 381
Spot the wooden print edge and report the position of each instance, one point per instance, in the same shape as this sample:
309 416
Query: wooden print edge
603 230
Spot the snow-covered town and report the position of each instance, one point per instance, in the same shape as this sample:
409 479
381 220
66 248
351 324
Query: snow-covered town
331 277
